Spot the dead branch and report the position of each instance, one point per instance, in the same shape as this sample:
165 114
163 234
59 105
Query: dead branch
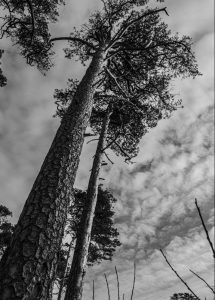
93 291
181 279
93 140
117 278
108 158
134 279
206 231
203 281
108 289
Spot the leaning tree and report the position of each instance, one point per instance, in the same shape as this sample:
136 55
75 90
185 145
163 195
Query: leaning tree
121 35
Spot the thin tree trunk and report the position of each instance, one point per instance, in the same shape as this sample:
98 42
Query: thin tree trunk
28 265
65 272
77 272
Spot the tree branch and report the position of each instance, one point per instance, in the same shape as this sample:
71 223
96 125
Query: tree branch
203 281
181 279
112 141
128 157
73 39
108 158
132 292
92 140
206 231
121 31
32 18
107 286
123 92
117 279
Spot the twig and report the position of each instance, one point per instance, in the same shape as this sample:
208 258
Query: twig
206 231
107 286
117 278
132 292
111 142
128 156
92 140
108 158
179 276
203 281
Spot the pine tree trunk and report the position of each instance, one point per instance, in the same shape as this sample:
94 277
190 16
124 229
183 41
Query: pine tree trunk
77 272
28 265
65 272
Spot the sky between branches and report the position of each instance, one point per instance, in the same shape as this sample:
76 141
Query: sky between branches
156 195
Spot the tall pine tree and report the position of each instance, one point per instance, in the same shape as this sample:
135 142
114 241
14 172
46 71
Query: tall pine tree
118 38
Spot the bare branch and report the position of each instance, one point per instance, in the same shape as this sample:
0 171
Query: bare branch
73 39
92 140
107 286
126 154
117 278
203 281
179 276
111 142
206 231
134 279
108 158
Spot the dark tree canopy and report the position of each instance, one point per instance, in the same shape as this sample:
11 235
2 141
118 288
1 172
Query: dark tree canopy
132 117
26 23
143 57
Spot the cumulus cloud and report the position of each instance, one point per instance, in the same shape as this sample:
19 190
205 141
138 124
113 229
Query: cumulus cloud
155 209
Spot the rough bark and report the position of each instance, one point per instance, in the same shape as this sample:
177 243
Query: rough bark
78 268
65 272
28 265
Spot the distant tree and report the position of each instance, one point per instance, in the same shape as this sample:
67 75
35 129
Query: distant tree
104 236
6 228
125 45
183 296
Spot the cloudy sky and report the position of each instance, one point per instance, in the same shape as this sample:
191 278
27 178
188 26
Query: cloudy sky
155 207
